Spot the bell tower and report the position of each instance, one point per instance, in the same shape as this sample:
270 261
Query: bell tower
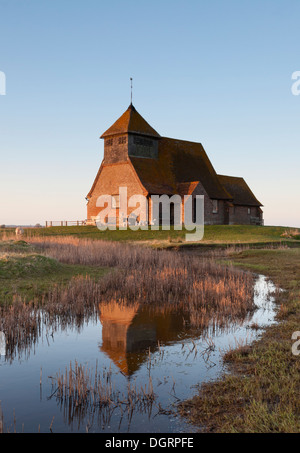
130 135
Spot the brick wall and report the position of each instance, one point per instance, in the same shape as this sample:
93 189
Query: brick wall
117 172
116 149
211 218
111 178
245 215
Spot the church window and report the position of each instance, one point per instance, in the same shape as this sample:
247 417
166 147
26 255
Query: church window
215 206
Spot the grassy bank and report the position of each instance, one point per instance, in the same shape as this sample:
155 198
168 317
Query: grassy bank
213 234
27 273
262 391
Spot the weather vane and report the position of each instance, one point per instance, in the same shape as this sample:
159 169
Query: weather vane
131 88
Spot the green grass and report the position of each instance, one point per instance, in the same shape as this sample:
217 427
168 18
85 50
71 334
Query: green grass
28 274
213 234
263 392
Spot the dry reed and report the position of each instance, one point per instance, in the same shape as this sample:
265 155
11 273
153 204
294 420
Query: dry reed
211 294
80 390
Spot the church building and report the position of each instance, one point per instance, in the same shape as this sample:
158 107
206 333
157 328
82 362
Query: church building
137 157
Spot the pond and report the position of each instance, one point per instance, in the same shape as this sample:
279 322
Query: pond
136 346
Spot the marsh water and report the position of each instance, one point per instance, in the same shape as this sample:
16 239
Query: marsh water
133 345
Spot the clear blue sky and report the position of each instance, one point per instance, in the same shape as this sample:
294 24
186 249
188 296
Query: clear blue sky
213 71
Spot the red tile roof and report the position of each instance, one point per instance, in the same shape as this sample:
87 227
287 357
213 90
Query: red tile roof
131 121
240 191
187 188
178 162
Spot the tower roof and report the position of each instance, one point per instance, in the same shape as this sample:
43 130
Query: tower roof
131 121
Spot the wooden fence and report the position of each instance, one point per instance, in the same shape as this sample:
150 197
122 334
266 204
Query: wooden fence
62 223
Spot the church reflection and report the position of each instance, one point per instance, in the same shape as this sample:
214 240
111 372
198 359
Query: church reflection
128 332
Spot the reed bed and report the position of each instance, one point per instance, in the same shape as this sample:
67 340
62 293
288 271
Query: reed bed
80 390
71 250
21 324
209 293
4 428
155 277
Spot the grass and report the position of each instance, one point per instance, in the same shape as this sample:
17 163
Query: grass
28 274
262 392
213 234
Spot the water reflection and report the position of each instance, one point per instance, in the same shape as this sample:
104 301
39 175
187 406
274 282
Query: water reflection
123 335
128 333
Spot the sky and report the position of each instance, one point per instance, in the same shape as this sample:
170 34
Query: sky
209 71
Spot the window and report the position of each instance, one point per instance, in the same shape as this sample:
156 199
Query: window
215 206
115 201
122 140
142 141
109 142
249 211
